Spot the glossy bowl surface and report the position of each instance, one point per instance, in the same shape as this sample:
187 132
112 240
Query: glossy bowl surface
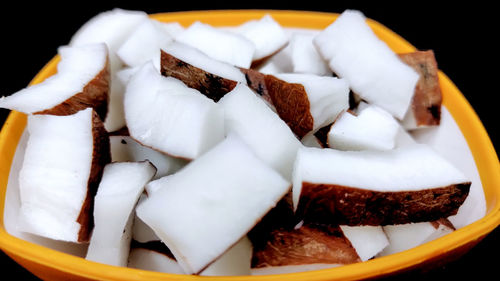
53 265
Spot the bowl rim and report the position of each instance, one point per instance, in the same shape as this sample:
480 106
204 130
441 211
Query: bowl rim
474 132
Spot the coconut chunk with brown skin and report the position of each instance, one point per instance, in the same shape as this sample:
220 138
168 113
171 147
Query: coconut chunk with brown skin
289 99
121 185
372 69
81 81
267 35
63 164
311 244
198 71
425 108
408 184
406 236
222 194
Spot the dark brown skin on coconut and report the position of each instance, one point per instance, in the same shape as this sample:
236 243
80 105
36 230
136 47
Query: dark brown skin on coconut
95 95
100 157
327 203
426 103
211 85
289 99
309 244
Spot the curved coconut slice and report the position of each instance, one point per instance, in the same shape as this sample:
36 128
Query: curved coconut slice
407 184
121 185
62 167
305 57
372 129
307 245
211 77
259 127
289 99
425 109
144 44
82 81
125 148
218 44
267 35
165 115
328 96
406 236
203 198
372 69
367 240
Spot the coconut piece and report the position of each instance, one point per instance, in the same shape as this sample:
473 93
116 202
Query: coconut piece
110 27
144 44
267 35
155 256
141 232
447 140
403 185
372 69
121 185
82 81
372 129
367 240
202 198
211 77
289 99
305 57
425 109
328 96
307 245
281 62
310 140
406 236
260 128
164 114
125 148
219 44
62 167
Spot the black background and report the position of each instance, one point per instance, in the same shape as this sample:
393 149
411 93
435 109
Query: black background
463 37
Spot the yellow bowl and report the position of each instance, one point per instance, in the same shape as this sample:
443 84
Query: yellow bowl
53 265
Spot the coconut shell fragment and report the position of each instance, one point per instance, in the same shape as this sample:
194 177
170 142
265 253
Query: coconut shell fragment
353 206
426 103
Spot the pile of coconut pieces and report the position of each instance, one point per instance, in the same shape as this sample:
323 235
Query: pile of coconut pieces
234 151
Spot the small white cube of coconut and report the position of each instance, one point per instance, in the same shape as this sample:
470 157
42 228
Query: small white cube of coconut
372 129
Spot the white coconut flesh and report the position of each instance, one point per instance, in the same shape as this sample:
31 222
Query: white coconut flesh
236 49
202 198
259 127
144 44
267 35
372 69
163 114
121 185
328 96
305 58
125 148
406 236
141 232
367 240
151 260
385 171
310 140
77 68
55 173
372 129
202 61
